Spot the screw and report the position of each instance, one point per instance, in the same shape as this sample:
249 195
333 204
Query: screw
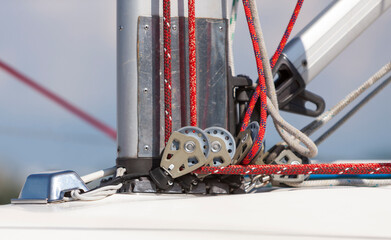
220 28
146 27
190 146
145 90
174 27
121 28
304 63
216 146
194 182
146 148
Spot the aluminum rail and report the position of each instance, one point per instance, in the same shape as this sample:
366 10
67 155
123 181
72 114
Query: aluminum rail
327 35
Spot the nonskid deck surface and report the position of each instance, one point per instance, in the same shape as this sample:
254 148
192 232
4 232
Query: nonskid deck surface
275 213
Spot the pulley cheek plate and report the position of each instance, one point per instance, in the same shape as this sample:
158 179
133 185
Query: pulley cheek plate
182 155
218 156
244 142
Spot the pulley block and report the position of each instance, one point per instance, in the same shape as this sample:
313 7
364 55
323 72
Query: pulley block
187 149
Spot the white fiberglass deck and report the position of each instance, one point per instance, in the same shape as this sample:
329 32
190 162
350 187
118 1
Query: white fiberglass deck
306 213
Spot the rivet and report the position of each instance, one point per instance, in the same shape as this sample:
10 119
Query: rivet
146 148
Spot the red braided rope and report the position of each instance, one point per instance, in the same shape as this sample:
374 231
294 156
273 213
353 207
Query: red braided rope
347 168
60 101
192 63
261 89
167 69
287 33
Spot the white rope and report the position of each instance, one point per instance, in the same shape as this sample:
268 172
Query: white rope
98 174
343 182
120 172
96 194
289 133
348 115
101 192
328 115
292 136
231 34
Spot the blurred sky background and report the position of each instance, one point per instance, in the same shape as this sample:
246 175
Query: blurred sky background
69 46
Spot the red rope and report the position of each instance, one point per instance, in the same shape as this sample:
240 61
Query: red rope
63 103
167 69
261 89
287 33
192 63
347 168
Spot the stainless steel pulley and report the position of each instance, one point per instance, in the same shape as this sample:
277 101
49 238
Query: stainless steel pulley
187 149
223 147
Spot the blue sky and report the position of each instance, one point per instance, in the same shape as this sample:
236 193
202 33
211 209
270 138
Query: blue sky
70 47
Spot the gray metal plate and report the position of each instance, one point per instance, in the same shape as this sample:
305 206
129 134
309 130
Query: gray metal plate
211 37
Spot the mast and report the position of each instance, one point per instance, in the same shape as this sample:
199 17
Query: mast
140 120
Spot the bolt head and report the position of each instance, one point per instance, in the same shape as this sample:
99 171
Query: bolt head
190 146
216 146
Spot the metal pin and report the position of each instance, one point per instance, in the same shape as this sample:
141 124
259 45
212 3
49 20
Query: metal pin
190 146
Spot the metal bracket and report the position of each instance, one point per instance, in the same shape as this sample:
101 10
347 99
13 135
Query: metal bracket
211 35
